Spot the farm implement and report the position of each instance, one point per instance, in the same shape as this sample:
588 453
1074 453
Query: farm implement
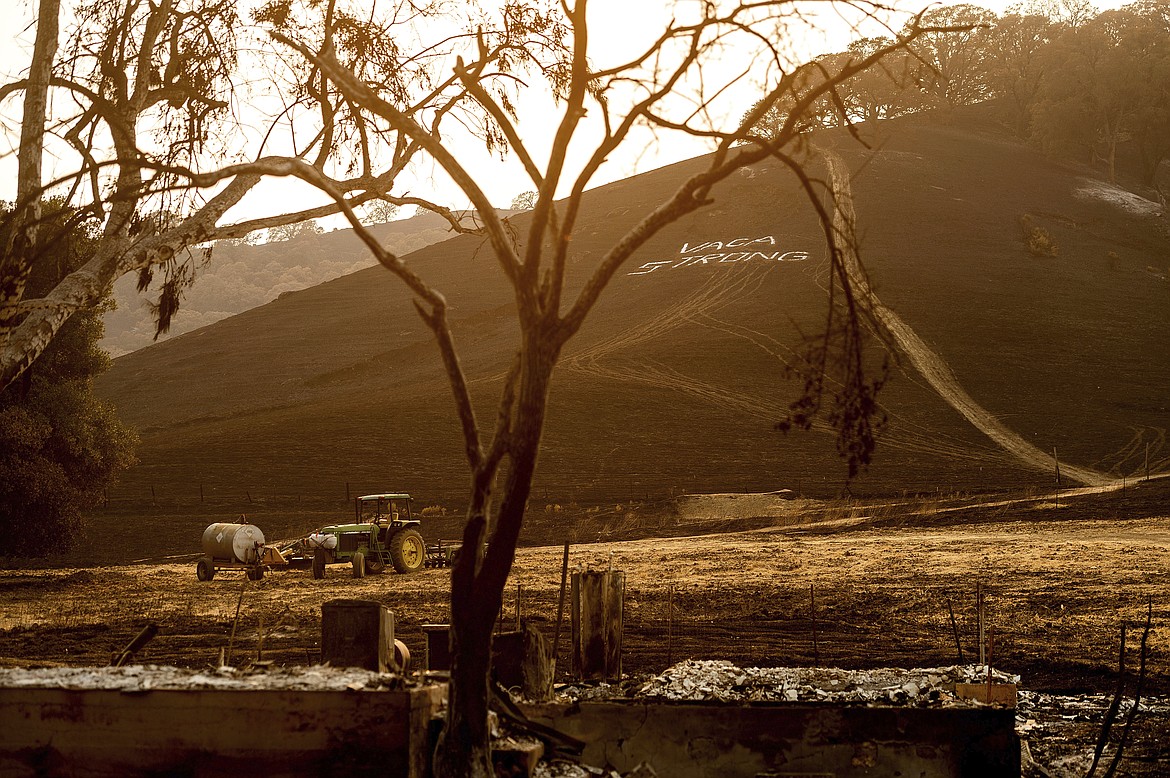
239 547
384 533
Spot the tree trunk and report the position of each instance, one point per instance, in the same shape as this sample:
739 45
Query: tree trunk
464 747
477 590
19 253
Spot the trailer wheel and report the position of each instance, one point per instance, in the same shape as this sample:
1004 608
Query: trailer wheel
408 552
319 561
401 657
255 573
359 565
204 570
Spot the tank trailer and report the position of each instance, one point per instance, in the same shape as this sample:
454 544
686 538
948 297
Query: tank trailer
236 546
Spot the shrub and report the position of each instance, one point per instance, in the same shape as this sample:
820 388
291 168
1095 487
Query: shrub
1039 241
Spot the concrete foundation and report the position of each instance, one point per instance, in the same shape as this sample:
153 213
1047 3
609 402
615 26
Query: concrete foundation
139 731
710 741
72 732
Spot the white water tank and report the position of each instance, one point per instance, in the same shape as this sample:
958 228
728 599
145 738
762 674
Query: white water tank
322 540
236 542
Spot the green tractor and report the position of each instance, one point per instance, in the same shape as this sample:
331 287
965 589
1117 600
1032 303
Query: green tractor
384 532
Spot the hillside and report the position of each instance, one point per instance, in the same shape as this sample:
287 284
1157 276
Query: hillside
676 381
244 276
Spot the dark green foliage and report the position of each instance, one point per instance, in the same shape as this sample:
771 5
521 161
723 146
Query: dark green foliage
60 446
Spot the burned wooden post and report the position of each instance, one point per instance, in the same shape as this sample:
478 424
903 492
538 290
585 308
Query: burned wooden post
560 607
522 659
357 633
134 646
670 625
597 604
236 621
955 630
438 656
979 616
812 596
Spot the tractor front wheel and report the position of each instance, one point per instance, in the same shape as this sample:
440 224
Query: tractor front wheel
408 552
359 565
375 565
319 561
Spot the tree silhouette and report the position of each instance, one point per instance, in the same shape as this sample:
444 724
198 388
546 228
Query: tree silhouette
60 446
1103 85
364 96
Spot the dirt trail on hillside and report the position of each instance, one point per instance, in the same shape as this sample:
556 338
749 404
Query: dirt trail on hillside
699 308
930 365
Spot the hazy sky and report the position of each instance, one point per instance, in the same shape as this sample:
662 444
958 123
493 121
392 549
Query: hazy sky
627 25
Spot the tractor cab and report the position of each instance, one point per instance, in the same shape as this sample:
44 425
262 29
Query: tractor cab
384 510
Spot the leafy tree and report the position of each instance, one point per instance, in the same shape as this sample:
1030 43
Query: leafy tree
287 232
1148 42
524 201
1063 13
885 90
60 446
952 65
775 114
1015 60
380 212
1104 84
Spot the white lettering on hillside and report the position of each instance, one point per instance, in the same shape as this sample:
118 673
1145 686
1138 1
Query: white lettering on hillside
714 252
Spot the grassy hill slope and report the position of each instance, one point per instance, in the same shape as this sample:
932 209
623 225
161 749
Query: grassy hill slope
240 277
676 381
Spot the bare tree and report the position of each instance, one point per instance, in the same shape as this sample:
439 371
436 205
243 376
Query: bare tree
640 93
147 110
363 106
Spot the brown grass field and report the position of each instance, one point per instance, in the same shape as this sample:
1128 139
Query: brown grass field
674 387
1060 576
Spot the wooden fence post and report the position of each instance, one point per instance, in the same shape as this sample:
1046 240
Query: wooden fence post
598 601
561 606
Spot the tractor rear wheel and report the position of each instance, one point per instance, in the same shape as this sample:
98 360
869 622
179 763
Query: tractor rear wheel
408 552
359 565
319 563
204 569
